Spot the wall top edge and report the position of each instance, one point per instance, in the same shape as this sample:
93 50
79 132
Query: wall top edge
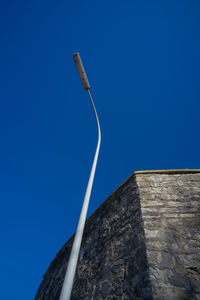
173 171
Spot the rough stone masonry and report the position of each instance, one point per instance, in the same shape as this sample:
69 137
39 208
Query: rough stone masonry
143 242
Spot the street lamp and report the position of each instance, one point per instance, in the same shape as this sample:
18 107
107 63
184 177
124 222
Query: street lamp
71 268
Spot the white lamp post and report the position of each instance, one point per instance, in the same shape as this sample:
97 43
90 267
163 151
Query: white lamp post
71 268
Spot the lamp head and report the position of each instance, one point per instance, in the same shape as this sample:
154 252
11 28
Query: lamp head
81 71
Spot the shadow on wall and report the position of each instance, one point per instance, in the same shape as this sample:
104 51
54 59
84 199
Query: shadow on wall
113 260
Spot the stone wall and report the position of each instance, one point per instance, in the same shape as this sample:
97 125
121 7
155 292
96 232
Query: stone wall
143 242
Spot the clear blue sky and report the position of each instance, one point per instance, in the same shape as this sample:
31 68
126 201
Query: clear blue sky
142 60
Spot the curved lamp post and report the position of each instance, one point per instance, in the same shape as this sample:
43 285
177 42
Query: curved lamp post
71 268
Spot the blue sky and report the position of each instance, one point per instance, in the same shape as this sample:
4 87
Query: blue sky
142 61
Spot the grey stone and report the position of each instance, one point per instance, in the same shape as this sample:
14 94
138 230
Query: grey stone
143 242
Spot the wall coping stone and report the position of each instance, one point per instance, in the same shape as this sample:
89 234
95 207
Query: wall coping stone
173 171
